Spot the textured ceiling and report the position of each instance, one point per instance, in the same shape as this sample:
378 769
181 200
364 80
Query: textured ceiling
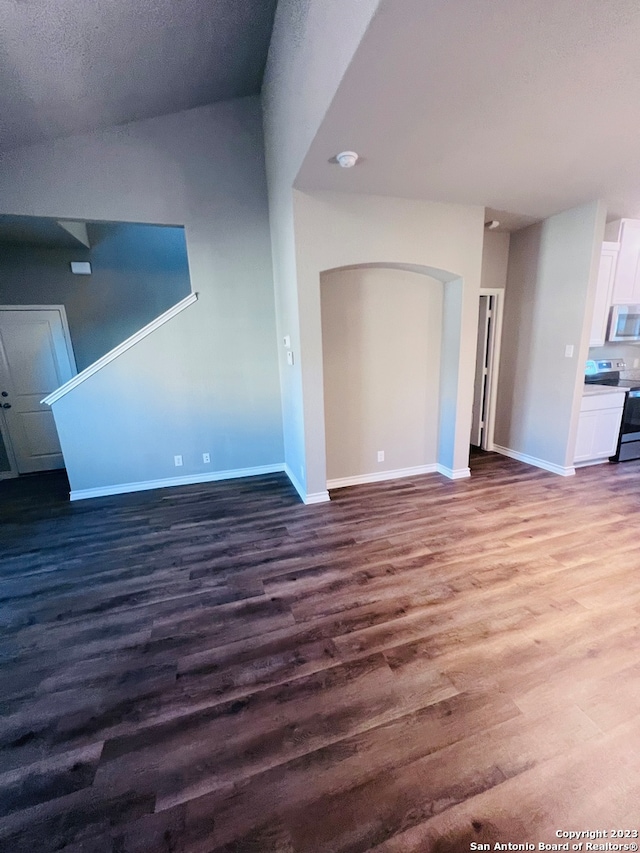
530 107
70 66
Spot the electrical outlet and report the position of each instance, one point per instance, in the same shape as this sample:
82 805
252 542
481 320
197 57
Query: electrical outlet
381 456
206 458
177 461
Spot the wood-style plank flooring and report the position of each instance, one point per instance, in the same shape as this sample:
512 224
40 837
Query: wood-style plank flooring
417 666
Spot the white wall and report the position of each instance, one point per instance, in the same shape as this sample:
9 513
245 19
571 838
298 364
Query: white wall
381 339
208 380
551 281
336 230
311 47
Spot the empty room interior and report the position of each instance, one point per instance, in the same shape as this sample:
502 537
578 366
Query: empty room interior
319 369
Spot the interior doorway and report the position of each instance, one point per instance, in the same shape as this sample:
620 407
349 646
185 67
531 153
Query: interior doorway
36 357
487 362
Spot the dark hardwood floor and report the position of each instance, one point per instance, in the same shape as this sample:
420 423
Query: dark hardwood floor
419 665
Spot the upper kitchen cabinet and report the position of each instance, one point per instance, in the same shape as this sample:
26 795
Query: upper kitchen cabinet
626 282
604 293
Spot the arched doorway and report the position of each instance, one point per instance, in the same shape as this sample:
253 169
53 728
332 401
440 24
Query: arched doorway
391 344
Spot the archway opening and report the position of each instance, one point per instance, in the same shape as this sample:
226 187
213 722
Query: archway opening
390 340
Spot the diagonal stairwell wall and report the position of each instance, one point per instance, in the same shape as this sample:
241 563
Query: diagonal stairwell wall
103 443
207 380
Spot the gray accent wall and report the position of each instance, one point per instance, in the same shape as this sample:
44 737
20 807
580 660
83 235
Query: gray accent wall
138 272
207 381
552 272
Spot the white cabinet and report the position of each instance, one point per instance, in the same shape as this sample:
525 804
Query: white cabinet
604 292
626 283
599 425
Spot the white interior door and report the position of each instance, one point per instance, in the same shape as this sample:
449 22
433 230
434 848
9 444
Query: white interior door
482 372
487 364
35 359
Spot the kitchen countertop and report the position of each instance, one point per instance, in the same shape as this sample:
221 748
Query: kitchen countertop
592 390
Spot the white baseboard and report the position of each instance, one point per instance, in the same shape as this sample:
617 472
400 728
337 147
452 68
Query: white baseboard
454 473
317 498
186 480
563 471
313 497
379 476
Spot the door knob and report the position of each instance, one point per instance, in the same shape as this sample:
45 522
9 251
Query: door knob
6 405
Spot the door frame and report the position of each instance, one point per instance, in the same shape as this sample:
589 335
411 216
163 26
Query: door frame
493 365
8 446
66 334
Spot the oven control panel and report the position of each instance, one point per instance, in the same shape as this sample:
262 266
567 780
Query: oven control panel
607 365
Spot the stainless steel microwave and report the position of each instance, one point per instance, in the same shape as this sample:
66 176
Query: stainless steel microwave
624 324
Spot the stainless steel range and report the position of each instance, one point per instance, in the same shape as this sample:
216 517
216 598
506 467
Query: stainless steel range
607 372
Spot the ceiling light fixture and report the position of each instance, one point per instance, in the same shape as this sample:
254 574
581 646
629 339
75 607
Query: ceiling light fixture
492 224
347 159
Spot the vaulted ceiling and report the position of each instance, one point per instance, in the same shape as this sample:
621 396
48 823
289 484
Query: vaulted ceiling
526 108
71 66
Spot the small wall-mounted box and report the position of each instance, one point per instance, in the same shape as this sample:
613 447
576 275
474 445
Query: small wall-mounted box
81 267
